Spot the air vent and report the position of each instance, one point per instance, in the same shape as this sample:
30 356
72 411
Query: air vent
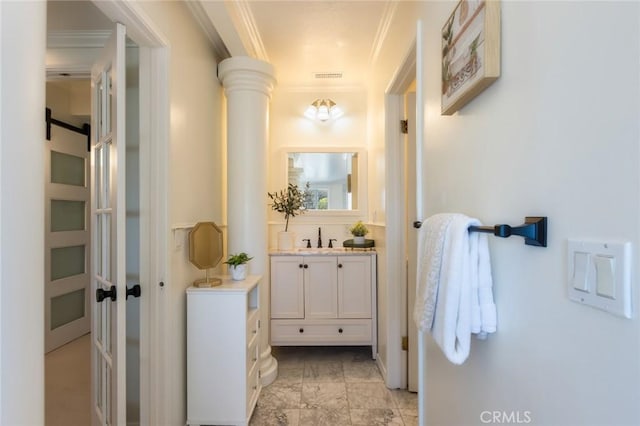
327 75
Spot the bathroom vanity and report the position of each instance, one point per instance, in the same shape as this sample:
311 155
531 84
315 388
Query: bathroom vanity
324 297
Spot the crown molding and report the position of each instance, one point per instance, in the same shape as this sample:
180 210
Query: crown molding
201 16
383 30
247 28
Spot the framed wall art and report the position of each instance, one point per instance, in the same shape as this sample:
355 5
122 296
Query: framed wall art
470 52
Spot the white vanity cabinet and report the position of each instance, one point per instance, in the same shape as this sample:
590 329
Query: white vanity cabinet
323 299
223 351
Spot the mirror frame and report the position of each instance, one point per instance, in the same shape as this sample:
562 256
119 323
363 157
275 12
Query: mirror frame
362 175
215 243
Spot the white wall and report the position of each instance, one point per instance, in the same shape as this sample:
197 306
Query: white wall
291 130
556 135
195 175
22 133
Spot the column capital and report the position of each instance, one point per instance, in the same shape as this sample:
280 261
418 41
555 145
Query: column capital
245 73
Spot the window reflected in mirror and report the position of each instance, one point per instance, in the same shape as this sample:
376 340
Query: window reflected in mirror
332 178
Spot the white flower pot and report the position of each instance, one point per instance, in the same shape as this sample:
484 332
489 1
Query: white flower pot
358 240
286 240
238 272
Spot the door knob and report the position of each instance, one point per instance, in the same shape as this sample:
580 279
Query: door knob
134 291
102 294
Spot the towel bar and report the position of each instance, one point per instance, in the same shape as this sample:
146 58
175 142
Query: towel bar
534 230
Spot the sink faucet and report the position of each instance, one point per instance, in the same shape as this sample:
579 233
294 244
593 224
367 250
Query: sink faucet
319 238
331 242
308 242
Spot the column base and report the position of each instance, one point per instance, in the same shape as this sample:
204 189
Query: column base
268 367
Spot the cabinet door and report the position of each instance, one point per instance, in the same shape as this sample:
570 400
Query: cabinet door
354 286
320 287
287 297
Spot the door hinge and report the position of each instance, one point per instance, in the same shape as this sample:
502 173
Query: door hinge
404 127
405 343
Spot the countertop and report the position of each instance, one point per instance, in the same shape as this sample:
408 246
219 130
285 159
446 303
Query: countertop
337 251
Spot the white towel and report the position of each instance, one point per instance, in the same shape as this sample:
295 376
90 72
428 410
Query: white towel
454 295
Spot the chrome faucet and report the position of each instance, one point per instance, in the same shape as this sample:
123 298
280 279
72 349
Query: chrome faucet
319 238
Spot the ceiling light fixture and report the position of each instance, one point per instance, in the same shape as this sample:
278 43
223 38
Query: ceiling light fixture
323 109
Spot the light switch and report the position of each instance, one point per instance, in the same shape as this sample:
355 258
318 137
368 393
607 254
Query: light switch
605 276
580 271
599 275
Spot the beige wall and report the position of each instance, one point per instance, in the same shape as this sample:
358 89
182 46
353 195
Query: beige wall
195 162
556 135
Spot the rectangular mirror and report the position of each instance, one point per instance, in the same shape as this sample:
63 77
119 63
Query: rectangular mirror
333 178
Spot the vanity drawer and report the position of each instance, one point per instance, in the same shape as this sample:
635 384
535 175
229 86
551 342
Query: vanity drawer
333 332
253 354
253 388
252 327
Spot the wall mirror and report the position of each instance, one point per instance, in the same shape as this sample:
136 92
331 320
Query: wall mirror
334 178
205 250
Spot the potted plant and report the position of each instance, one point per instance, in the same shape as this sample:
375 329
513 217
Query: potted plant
238 265
359 230
289 202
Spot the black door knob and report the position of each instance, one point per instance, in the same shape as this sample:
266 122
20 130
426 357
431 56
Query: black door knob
134 291
102 294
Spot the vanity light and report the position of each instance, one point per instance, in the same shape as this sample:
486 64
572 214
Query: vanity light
323 109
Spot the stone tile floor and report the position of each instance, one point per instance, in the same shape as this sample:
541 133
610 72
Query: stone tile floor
331 386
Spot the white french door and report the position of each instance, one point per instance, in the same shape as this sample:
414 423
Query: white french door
108 274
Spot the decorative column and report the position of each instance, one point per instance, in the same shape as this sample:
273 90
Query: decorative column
248 84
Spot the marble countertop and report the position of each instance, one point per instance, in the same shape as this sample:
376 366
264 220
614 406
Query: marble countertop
337 251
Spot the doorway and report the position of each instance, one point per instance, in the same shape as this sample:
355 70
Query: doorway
67 289
400 216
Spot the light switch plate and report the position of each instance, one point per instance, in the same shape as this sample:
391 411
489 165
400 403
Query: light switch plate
599 275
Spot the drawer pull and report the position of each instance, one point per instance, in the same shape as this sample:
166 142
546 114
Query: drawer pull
301 330
339 265
340 330
306 266
300 265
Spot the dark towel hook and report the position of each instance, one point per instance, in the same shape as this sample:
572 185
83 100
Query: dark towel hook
534 230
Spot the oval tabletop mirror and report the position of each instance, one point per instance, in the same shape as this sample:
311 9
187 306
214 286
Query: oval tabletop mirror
205 250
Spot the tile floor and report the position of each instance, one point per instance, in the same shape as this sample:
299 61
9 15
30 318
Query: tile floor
323 386
331 386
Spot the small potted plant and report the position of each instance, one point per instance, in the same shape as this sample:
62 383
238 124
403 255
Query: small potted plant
290 202
359 230
238 265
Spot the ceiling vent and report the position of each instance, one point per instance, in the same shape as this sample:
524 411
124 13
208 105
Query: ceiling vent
327 75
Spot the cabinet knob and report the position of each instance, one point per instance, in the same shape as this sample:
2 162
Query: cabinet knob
306 266
339 265
300 265
340 330
301 330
